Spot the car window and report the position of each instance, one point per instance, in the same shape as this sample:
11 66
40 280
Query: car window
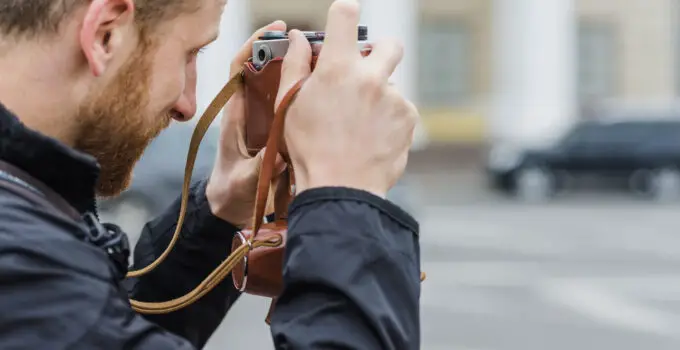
629 133
583 133
645 131
665 133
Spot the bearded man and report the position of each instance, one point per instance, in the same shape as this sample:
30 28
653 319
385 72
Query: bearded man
85 85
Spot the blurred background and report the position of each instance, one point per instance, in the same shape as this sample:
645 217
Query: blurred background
544 174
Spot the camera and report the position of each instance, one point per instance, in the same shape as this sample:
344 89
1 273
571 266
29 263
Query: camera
274 44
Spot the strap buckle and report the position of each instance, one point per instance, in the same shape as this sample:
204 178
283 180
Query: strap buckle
244 241
112 240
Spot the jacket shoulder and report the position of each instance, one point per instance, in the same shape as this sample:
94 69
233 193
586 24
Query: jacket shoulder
34 229
59 291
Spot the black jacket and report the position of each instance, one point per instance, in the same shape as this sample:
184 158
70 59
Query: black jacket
351 267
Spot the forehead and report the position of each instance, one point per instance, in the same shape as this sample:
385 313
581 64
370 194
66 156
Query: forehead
200 26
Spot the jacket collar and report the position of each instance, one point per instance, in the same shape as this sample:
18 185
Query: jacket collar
70 173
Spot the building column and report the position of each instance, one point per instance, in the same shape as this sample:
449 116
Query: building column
402 23
213 63
534 71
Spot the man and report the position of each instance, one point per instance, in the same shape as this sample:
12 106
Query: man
86 84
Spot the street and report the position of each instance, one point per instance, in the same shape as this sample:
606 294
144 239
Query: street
588 271
556 277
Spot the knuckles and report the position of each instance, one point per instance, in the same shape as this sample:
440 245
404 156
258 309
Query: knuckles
413 113
371 81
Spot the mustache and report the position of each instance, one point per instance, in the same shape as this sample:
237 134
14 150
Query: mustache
164 122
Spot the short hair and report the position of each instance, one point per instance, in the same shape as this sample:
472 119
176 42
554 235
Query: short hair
28 18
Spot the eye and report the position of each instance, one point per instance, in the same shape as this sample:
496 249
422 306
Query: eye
193 54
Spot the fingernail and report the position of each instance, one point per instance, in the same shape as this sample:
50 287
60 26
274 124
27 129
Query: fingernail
279 22
293 36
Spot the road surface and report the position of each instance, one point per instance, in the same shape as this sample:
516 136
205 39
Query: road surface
588 271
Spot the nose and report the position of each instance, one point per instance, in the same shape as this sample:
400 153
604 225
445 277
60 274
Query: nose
186 104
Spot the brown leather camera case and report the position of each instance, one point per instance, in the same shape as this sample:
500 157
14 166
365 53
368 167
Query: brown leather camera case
261 88
260 272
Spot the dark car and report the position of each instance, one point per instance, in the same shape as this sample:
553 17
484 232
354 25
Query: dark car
158 177
644 154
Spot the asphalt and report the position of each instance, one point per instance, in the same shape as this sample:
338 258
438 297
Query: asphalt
589 270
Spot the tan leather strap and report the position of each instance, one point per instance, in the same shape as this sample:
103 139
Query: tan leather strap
234 84
263 186
269 160
264 182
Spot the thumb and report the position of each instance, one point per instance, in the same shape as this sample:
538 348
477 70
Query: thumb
296 63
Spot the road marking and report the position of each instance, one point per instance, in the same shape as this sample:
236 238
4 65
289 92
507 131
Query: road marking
447 287
606 306
586 237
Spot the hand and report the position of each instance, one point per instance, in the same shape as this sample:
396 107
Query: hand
348 126
233 183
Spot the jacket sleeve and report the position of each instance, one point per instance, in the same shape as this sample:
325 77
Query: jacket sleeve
351 274
59 292
204 243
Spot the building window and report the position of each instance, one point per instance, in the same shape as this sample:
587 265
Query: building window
597 60
444 63
676 43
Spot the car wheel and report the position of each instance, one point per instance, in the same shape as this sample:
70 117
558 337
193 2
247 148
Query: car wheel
639 182
534 184
131 214
562 182
664 184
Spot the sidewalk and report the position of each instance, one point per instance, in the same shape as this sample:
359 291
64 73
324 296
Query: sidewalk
446 158
445 175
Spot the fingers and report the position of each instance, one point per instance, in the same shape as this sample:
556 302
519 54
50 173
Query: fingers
296 64
385 57
405 108
341 30
246 50
279 164
414 117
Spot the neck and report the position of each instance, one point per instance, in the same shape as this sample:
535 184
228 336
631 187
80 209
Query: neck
35 87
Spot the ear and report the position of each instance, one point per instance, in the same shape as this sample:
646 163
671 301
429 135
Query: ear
104 30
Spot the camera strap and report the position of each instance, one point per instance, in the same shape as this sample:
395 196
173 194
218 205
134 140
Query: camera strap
110 238
114 241
262 195
263 186
234 84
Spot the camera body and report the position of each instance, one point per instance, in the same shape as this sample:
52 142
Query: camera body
259 273
262 74
274 44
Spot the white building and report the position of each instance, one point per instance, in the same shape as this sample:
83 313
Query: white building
505 69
